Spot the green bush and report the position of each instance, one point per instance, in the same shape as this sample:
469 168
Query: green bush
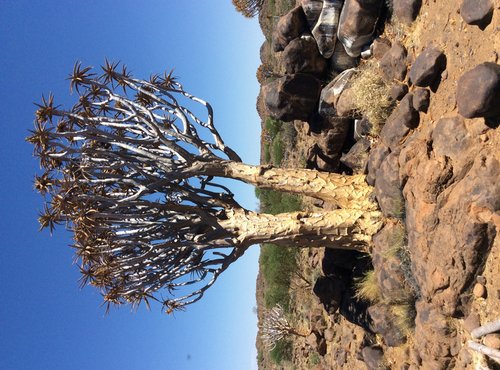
267 153
282 352
273 126
278 150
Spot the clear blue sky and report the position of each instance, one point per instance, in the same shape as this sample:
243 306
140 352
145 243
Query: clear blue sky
46 321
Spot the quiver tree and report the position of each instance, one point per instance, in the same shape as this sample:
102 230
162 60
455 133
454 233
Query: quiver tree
136 176
249 8
275 326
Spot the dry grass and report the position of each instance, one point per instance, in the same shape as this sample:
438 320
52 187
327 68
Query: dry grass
408 35
404 314
371 94
367 288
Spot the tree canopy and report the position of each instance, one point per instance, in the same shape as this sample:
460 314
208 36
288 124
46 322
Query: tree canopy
135 174
249 8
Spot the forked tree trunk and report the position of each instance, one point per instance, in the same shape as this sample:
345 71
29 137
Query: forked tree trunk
348 192
341 228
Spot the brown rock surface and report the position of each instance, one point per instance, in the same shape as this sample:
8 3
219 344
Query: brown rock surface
301 55
289 27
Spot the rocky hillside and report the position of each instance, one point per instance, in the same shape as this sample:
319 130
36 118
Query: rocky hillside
408 93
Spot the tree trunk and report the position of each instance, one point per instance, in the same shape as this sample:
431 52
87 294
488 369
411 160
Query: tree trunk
341 228
349 192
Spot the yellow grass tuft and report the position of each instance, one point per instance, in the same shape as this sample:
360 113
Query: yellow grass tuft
367 288
371 94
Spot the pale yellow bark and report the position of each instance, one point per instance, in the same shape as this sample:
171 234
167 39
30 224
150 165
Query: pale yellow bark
342 228
348 192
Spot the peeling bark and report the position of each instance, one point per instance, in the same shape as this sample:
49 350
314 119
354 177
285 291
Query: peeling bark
341 228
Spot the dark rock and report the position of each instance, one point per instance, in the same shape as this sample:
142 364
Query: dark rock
407 113
302 55
357 24
421 99
340 60
428 67
478 92
362 128
394 130
379 47
325 30
329 141
384 324
393 64
377 155
335 99
450 138
477 12
292 97
329 292
357 157
388 188
434 336
312 10
398 91
289 27
317 343
388 267
341 262
406 11
373 357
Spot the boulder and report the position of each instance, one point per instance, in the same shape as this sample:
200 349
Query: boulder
335 100
302 55
477 12
398 91
478 91
325 30
379 47
388 187
384 324
428 67
393 64
373 357
387 266
377 155
340 60
292 97
421 99
407 113
357 23
312 10
289 27
406 11
362 128
357 157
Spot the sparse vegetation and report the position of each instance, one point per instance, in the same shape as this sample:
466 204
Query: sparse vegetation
281 352
371 95
314 358
367 288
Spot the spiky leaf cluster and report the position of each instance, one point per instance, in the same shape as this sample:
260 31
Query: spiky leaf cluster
122 172
249 8
275 327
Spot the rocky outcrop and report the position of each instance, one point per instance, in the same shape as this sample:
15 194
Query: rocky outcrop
478 92
302 56
325 30
384 323
292 97
373 356
388 187
357 157
357 24
289 27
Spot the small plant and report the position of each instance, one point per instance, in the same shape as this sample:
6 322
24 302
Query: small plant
276 327
367 288
371 95
314 358
405 314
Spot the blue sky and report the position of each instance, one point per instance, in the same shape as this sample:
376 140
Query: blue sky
46 321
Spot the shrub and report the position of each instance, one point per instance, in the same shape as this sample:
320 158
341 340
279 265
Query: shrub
282 352
367 288
371 94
